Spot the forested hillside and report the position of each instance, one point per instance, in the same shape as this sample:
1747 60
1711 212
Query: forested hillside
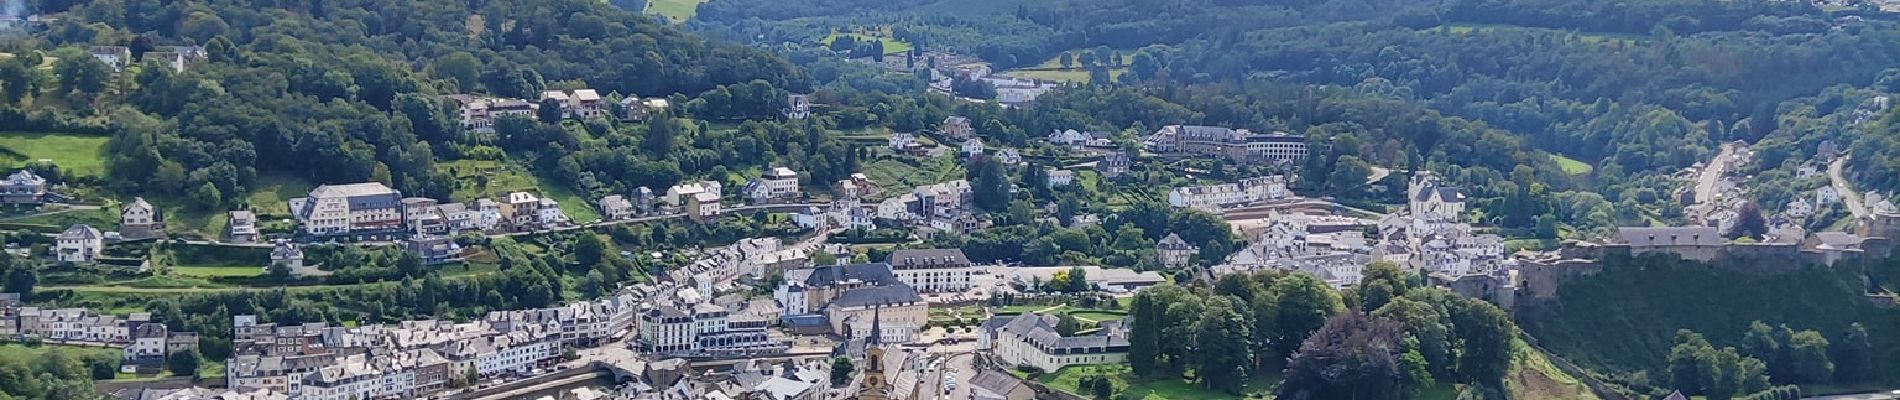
1625 321
346 91
1633 90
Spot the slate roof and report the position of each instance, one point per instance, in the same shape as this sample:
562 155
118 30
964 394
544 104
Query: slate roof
352 190
875 274
908 257
877 296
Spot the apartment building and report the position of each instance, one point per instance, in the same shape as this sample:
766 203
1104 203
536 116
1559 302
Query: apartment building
357 209
932 270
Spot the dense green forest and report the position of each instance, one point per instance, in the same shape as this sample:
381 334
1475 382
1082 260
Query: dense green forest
1634 321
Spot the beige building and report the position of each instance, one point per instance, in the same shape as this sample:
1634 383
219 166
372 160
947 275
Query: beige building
898 310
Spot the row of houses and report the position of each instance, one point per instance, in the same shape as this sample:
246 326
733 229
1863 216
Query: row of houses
479 114
1213 198
372 210
145 341
413 359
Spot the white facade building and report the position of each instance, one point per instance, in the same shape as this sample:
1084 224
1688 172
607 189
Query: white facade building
355 208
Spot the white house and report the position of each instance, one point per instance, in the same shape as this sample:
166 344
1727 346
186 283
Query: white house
140 220
1068 137
972 147
1060 177
778 183
80 244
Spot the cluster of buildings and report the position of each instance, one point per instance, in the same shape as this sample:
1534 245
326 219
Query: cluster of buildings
932 209
177 57
1431 236
1213 198
686 319
84 244
373 211
478 114
146 342
853 301
414 359
1236 145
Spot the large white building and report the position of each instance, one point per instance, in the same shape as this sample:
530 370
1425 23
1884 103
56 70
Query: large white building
79 244
777 184
1213 197
1030 339
1432 201
351 209
932 270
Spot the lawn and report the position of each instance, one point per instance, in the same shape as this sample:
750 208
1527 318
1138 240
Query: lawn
104 218
476 179
675 11
1067 380
19 353
217 271
891 45
896 177
1077 75
75 154
1570 165
271 194
1098 316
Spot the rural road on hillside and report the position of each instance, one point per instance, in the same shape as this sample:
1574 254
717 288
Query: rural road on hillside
1848 195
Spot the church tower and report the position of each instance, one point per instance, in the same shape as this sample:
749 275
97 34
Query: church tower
874 386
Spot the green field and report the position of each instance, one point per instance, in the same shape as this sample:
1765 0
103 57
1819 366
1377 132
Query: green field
896 177
217 271
19 353
891 45
676 11
104 218
1067 380
271 194
1098 316
75 154
1571 165
476 179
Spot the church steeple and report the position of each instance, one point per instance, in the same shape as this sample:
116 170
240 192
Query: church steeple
877 332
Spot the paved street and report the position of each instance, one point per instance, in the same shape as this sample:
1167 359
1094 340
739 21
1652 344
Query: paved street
1848 195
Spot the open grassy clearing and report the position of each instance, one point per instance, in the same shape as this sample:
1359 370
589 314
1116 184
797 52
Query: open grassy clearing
476 179
1571 165
675 11
75 154
892 45
272 193
217 271
1068 380
103 218
1077 75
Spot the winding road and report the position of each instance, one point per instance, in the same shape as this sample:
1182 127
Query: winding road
1848 195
